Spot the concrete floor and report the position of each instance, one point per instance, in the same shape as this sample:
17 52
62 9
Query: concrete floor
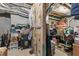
25 52
19 52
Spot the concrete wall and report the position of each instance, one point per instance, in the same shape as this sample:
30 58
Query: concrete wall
5 22
4 25
15 19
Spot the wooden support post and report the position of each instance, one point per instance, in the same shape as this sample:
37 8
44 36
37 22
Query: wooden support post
39 32
33 11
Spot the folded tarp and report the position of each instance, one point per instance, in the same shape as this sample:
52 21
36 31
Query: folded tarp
74 9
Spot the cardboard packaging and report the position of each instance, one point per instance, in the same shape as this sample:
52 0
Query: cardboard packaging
75 50
3 51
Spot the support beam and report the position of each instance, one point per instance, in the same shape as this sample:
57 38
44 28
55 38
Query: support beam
40 29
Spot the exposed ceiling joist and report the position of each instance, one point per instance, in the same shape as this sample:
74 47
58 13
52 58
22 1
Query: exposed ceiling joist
24 5
30 4
19 9
13 6
14 12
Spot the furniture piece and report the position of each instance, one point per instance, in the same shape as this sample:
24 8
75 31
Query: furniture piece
75 50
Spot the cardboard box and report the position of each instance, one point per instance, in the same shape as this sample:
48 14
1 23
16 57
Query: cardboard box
3 51
75 50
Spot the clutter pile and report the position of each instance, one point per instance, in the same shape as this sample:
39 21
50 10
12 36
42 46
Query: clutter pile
3 51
